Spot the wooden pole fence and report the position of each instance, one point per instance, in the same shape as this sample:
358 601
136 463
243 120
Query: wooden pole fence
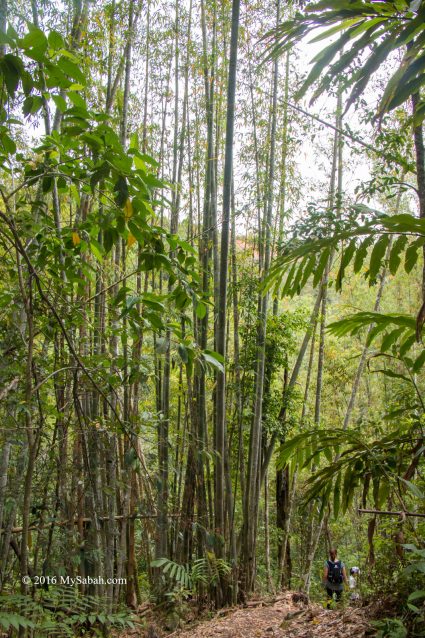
76 521
389 513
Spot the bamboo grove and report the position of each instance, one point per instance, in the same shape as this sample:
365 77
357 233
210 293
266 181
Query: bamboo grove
211 301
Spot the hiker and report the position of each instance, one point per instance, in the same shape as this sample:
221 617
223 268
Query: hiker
334 577
352 582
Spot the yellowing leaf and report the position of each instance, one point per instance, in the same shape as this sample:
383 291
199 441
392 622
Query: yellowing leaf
128 209
131 240
76 239
139 163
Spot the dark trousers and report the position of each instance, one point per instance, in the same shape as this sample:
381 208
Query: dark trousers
331 593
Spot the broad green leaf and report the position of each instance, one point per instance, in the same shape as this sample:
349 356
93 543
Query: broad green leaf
288 286
55 40
419 362
377 256
11 68
318 273
390 338
407 344
183 353
71 69
76 99
418 566
161 345
362 252
201 310
97 250
35 39
135 230
8 144
395 259
296 287
159 562
60 102
337 496
416 595
307 270
322 59
412 254
213 361
345 260
414 489
335 29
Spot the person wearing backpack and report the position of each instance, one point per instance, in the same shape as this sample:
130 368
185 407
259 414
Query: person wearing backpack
334 577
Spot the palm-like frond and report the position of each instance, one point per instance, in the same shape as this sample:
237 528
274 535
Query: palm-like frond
392 331
354 244
369 33
349 461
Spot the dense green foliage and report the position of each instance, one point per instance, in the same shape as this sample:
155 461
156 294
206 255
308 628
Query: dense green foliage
212 307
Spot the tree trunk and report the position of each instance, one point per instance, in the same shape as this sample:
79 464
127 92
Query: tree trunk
253 481
335 196
220 430
4 466
418 138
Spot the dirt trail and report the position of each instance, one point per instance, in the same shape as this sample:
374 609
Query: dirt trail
287 616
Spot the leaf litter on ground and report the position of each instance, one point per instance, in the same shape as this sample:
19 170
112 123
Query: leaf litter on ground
288 615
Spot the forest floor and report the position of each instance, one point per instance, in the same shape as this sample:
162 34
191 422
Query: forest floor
285 616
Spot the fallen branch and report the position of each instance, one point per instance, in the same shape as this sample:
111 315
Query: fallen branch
267 602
